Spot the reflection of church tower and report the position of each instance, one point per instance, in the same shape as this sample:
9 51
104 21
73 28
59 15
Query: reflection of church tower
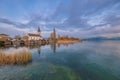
39 50
53 47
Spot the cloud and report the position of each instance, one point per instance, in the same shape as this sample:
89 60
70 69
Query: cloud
6 21
112 19
79 11
12 30
9 22
81 18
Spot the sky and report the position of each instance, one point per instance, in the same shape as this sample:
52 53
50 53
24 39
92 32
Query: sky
75 18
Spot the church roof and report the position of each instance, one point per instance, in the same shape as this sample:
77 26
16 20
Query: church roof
30 34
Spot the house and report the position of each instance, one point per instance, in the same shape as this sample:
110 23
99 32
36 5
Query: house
34 37
16 42
4 37
8 43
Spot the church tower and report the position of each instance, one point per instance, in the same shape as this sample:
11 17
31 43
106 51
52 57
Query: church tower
39 31
54 34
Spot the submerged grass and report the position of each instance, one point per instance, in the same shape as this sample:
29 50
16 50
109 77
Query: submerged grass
16 57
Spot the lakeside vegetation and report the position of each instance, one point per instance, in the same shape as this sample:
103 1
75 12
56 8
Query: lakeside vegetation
68 40
16 57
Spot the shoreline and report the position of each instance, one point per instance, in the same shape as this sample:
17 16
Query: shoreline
68 41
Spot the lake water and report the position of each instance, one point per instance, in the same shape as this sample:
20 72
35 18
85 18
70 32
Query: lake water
90 60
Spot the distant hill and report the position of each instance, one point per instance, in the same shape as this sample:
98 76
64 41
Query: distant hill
102 38
116 38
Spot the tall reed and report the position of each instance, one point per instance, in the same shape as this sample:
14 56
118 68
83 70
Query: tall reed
16 57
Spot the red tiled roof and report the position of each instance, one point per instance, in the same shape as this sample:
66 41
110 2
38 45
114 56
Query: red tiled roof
33 34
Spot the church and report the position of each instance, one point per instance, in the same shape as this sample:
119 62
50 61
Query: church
36 36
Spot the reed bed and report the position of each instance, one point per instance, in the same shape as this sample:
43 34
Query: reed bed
22 56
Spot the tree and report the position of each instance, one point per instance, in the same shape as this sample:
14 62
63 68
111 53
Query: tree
17 37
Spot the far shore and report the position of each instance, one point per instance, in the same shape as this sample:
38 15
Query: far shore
68 41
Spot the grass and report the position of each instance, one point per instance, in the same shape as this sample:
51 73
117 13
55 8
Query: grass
16 57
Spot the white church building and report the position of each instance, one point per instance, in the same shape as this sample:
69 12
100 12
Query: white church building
36 36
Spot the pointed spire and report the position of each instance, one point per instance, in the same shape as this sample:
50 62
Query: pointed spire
54 29
38 29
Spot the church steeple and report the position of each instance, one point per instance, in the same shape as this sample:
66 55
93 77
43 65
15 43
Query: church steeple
39 29
54 30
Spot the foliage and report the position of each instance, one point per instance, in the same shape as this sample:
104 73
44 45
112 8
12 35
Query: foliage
2 43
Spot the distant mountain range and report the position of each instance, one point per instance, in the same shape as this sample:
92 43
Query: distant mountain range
102 38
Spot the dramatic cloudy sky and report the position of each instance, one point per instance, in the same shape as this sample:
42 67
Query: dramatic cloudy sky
79 18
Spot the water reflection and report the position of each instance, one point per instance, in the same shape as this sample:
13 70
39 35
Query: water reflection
53 47
37 47
67 44
84 61
39 50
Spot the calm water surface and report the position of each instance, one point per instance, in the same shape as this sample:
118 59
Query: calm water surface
82 61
